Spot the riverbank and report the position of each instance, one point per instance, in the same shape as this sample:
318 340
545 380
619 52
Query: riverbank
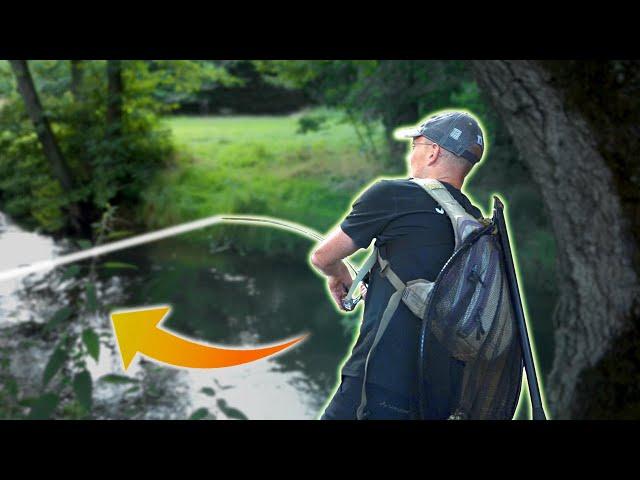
217 297
258 165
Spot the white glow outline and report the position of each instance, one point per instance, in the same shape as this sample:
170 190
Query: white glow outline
487 144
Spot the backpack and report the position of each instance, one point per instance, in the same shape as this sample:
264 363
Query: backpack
467 310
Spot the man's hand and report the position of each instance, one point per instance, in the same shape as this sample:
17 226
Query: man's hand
363 291
339 287
328 259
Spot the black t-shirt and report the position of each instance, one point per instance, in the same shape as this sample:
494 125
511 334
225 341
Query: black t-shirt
415 234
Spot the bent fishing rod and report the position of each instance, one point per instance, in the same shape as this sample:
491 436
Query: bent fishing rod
46 265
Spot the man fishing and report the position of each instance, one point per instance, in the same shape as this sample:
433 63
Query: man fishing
415 235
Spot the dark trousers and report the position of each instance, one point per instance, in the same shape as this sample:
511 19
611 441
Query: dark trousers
382 404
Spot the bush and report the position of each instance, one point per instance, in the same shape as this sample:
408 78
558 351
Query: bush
109 163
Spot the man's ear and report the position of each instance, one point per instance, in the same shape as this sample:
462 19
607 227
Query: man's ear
434 155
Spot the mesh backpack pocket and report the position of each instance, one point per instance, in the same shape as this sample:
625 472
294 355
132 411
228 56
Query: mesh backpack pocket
469 313
465 304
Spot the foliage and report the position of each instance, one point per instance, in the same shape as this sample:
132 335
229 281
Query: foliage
312 122
66 385
392 92
304 178
107 167
248 94
174 82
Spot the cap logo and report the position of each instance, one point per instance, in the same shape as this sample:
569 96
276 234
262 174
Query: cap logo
479 140
455 133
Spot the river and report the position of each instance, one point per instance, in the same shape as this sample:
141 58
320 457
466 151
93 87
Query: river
216 295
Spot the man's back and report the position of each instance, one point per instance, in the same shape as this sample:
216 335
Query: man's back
413 232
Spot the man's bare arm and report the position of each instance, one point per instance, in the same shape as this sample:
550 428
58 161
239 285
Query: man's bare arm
328 259
328 256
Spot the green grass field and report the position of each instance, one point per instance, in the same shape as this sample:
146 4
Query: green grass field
258 165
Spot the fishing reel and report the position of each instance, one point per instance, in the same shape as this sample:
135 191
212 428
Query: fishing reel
350 304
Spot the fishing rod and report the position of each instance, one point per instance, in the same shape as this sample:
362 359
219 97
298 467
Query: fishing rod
349 303
92 252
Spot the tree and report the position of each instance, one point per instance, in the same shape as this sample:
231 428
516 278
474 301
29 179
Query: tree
575 125
114 97
99 135
48 141
391 92
77 72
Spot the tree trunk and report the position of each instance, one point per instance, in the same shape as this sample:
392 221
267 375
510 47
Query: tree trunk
114 97
77 74
41 123
401 79
50 147
597 339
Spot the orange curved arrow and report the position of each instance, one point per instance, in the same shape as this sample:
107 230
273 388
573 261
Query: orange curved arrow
137 331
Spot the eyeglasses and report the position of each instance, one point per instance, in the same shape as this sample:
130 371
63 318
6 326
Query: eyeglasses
413 144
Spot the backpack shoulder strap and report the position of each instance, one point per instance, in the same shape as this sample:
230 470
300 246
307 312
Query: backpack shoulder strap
392 306
450 205
364 269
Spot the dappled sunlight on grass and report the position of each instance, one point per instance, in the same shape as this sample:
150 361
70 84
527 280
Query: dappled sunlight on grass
258 165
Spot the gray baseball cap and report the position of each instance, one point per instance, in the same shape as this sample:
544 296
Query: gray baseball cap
457 132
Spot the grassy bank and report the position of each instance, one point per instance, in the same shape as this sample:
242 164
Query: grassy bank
258 165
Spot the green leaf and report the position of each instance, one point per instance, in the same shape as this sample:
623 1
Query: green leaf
118 379
118 234
92 300
84 244
27 401
11 386
135 388
119 265
44 406
153 391
83 387
72 271
59 317
230 411
92 342
199 414
208 391
54 364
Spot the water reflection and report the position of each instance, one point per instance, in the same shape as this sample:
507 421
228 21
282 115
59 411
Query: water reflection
19 248
217 296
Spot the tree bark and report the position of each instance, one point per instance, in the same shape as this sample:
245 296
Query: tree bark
50 147
41 123
77 73
598 279
401 79
114 97
77 211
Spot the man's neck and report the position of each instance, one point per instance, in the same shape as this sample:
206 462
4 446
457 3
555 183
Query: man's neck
443 178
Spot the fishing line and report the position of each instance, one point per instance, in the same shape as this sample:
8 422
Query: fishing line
50 264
